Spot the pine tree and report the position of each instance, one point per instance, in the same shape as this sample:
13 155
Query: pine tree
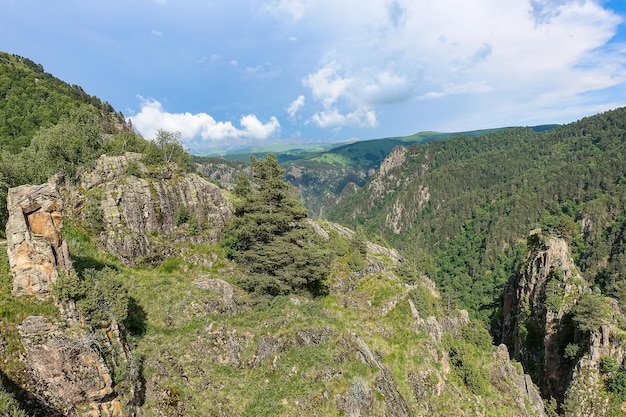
268 237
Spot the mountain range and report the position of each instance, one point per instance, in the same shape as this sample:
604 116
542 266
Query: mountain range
479 273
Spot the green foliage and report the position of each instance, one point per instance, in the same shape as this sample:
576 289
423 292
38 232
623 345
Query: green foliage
268 238
571 351
33 99
167 148
608 365
591 312
9 407
616 383
408 272
92 212
463 359
425 303
554 293
182 215
99 295
486 193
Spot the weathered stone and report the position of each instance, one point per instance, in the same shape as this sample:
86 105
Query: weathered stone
34 243
358 400
548 260
134 209
515 384
66 365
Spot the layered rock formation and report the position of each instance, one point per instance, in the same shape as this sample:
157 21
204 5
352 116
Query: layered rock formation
34 242
66 357
541 322
128 204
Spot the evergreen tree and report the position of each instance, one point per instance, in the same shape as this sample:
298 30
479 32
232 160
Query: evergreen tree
268 237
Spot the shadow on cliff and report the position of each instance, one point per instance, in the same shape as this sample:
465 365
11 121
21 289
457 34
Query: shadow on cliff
29 402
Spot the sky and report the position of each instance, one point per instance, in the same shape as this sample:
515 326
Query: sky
256 72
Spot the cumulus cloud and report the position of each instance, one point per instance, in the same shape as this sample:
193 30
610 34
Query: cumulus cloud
200 130
326 84
539 54
295 106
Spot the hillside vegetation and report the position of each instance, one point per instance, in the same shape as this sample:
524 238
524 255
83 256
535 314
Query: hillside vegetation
261 313
460 209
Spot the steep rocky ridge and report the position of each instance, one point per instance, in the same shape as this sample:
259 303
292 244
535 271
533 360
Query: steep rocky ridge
541 320
531 326
139 213
459 208
370 347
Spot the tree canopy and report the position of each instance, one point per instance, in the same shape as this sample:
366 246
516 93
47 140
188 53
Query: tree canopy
268 238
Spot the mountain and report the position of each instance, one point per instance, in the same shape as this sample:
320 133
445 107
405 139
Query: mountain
34 99
140 281
326 174
462 208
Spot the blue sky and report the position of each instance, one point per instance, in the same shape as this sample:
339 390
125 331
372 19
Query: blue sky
229 73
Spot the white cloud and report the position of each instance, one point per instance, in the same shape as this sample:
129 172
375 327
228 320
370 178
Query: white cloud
326 84
264 70
157 33
292 9
331 118
200 130
531 55
295 106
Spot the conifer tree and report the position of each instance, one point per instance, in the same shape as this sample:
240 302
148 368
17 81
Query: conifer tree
268 238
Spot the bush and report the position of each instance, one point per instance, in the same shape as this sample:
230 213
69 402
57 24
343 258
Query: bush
182 215
591 312
99 295
616 384
571 351
608 365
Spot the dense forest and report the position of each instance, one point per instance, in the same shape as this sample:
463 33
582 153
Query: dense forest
461 209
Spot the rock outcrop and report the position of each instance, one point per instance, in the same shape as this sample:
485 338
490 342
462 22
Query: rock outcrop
66 358
536 305
34 242
68 366
140 214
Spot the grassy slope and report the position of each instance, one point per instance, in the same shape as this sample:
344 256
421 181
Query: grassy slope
188 372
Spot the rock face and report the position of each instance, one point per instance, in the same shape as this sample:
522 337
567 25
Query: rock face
128 205
69 366
536 304
65 358
34 242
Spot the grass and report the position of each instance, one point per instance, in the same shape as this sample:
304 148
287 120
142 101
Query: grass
195 360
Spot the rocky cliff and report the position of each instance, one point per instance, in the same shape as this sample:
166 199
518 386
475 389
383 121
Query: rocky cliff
66 358
561 331
536 306
140 212
34 242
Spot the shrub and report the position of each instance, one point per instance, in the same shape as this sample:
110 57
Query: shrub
99 295
267 237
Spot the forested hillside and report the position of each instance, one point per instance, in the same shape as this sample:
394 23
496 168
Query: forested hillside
461 209
33 99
